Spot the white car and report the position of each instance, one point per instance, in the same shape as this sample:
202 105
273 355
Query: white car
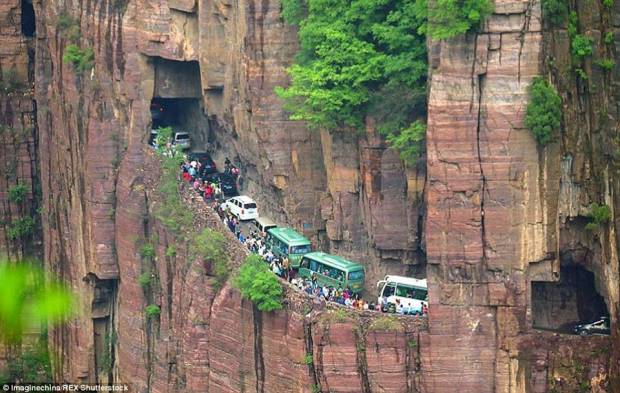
243 207
181 139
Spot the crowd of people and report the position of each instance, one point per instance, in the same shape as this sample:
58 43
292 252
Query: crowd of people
208 189
254 241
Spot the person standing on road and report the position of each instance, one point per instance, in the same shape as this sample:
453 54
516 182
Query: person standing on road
285 267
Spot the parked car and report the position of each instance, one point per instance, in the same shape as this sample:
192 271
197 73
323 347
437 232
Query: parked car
243 207
208 166
181 139
600 327
228 184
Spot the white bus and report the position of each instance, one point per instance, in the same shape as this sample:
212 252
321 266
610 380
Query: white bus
397 291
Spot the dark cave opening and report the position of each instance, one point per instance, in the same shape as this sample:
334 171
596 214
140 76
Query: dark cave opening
182 114
28 19
572 300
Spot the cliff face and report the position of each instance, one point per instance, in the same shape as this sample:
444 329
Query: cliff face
505 237
18 133
489 212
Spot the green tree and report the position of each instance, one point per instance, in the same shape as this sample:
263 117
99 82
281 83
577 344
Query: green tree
544 111
367 58
449 18
409 141
258 284
210 245
555 11
30 297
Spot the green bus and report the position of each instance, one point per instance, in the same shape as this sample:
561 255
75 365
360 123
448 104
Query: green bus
333 271
285 242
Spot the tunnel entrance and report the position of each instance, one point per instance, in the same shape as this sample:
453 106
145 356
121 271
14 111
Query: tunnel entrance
177 100
183 115
28 18
572 300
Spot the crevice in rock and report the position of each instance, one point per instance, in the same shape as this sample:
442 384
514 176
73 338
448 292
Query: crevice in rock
360 351
310 352
483 178
259 362
412 353
524 29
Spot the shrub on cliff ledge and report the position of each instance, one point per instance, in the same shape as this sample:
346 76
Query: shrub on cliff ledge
81 58
544 111
599 215
210 245
581 46
17 193
20 228
152 311
258 284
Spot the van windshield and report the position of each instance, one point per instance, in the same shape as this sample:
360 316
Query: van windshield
250 206
356 275
300 249
182 137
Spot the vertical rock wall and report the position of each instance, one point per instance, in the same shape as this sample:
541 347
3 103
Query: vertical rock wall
17 132
499 206
491 208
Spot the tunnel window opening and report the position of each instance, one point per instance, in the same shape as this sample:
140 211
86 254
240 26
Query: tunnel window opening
28 18
573 300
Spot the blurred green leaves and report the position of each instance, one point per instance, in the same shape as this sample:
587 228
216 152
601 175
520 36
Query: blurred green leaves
29 298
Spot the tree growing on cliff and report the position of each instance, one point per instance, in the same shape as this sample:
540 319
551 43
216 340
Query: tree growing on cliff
258 284
210 246
544 111
81 58
363 59
449 18
599 215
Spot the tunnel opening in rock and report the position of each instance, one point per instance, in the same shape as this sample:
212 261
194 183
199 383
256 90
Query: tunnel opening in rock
182 115
177 100
572 300
28 18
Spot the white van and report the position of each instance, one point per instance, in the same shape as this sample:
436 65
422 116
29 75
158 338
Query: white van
411 293
263 224
181 139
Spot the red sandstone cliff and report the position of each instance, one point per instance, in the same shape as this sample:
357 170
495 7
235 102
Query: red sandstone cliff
500 212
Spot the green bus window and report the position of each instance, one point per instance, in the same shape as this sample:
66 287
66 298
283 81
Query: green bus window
314 265
300 249
304 263
356 275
